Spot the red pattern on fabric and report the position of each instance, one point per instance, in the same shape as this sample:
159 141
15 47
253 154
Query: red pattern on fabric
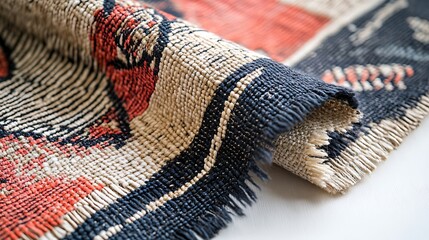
365 77
273 27
108 126
34 204
134 85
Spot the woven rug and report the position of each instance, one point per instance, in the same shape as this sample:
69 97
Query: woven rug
120 120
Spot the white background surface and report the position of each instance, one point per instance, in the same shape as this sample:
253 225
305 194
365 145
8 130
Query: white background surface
392 203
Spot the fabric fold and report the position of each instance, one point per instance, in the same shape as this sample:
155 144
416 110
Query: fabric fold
118 120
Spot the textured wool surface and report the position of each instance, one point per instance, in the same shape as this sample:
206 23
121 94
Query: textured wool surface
120 120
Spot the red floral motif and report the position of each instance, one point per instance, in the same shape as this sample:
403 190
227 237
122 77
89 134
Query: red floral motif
133 84
32 203
33 200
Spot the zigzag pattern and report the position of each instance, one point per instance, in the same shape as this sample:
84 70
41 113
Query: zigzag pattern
370 77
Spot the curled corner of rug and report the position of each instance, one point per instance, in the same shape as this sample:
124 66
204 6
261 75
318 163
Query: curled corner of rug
337 173
301 150
275 127
125 122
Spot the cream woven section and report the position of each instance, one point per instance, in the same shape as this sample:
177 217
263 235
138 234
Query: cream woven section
299 150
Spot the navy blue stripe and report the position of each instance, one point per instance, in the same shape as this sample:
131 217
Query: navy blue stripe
253 117
177 172
257 118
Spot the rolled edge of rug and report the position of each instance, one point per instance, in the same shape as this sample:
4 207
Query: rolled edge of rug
359 157
301 149
214 108
373 146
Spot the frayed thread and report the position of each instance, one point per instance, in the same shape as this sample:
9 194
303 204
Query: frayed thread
218 216
363 155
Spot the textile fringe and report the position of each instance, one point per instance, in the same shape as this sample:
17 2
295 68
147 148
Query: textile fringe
217 216
363 155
